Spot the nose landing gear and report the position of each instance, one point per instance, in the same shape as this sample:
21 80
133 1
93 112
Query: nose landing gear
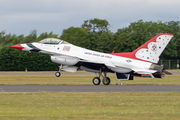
58 74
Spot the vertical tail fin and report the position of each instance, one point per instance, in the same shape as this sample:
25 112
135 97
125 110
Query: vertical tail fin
149 51
152 49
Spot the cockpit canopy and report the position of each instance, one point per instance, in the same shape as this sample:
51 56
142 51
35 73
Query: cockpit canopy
53 41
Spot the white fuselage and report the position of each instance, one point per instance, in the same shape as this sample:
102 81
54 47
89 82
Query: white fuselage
69 54
140 62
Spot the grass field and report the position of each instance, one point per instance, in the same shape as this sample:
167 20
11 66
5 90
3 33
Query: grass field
90 106
81 80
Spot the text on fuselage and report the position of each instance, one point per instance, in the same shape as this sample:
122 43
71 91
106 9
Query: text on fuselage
98 55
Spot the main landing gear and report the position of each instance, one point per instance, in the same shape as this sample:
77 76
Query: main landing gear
58 74
97 80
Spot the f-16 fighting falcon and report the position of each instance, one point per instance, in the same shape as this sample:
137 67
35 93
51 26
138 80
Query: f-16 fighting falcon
141 62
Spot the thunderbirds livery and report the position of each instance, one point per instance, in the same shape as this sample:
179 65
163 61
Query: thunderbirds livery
141 62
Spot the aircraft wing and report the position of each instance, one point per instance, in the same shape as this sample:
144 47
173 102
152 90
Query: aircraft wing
145 72
106 63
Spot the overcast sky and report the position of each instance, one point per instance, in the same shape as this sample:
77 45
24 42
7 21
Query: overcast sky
21 16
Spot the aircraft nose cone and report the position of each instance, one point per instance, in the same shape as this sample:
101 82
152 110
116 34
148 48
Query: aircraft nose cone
19 47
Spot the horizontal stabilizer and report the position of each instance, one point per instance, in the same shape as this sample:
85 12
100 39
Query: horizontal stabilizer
168 73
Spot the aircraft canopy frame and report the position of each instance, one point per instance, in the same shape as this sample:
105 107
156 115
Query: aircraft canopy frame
52 41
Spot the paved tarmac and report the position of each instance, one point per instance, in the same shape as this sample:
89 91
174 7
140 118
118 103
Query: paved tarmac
46 73
83 88
63 73
89 88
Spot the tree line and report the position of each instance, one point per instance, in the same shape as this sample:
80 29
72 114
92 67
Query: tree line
93 34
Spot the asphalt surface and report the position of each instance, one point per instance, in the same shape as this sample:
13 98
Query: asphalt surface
50 73
63 73
89 88
83 88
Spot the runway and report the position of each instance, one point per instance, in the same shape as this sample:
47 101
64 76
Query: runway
62 73
47 73
89 88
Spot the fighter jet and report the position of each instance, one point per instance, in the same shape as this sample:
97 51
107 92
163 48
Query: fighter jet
141 62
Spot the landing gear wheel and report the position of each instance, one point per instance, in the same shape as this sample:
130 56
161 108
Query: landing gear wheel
96 81
106 80
57 74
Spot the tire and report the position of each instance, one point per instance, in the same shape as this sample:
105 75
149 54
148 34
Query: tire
107 81
96 81
57 74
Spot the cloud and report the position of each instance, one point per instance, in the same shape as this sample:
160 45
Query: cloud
20 16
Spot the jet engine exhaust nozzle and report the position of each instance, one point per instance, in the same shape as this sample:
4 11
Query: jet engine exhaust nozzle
161 71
